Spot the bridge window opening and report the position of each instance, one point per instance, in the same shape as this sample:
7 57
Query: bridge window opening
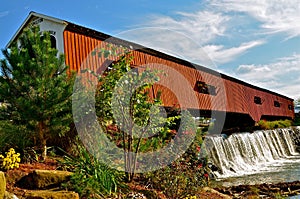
290 107
204 88
276 104
257 100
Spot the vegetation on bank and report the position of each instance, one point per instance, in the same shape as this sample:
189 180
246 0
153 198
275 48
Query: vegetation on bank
268 125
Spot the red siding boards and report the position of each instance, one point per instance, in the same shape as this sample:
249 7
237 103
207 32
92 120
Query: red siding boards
232 95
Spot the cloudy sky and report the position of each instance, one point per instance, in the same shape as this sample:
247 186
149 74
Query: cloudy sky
257 41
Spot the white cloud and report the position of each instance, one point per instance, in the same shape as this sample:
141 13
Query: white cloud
202 26
170 42
180 45
282 76
220 54
217 20
190 36
274 15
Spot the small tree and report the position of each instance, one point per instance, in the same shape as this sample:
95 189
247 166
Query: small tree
36 87
126 112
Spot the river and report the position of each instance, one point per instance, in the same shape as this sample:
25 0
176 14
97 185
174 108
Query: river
287 170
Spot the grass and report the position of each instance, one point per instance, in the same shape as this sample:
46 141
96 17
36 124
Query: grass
267 125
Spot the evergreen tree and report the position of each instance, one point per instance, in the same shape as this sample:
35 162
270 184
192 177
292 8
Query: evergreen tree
36 88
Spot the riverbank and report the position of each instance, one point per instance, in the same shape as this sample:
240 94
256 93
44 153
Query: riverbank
265 190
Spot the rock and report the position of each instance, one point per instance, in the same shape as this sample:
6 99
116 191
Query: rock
43 179
208 189
46 194
2 184
8 195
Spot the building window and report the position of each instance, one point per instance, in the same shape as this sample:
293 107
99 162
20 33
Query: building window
53 41
290 107
204 88
257 100
276 104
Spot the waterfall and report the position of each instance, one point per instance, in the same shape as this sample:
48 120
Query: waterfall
248 153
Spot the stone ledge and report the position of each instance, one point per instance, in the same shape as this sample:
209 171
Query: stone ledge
46 194
2 184
44 179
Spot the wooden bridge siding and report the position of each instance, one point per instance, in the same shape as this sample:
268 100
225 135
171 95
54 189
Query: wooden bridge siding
231 96
267 108
78 52
204 101
236 101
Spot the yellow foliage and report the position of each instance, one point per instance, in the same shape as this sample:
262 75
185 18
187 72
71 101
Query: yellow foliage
11 160
191 197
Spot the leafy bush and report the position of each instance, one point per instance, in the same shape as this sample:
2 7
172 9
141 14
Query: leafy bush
296 120
91 178
183 177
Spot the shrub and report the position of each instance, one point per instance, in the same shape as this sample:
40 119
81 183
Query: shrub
184 177
91 178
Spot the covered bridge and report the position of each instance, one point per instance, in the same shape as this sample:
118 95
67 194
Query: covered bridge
214 92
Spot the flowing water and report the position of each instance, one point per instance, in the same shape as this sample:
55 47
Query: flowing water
254 158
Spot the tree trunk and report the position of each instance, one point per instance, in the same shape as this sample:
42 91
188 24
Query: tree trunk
43 141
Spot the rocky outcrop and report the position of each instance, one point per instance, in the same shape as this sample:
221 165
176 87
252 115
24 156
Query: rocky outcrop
3 193
44 179
265 189
46 194
8 195
208 189
2 184
45 184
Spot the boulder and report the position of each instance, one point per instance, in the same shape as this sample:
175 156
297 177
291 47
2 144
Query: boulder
2 184
208 189
46 194
44 179
10 196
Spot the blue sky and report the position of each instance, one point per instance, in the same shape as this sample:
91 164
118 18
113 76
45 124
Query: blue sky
257 41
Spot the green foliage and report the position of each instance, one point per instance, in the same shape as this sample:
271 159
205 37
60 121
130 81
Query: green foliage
16 136
36 89
128 115
185 176
267 125
296 121
91 178
126 111
11 160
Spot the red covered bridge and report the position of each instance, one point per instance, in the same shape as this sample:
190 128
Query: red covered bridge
214 91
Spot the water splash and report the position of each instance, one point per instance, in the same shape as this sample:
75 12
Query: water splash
249 153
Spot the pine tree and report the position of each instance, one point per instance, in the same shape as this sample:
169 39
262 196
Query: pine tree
36 87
